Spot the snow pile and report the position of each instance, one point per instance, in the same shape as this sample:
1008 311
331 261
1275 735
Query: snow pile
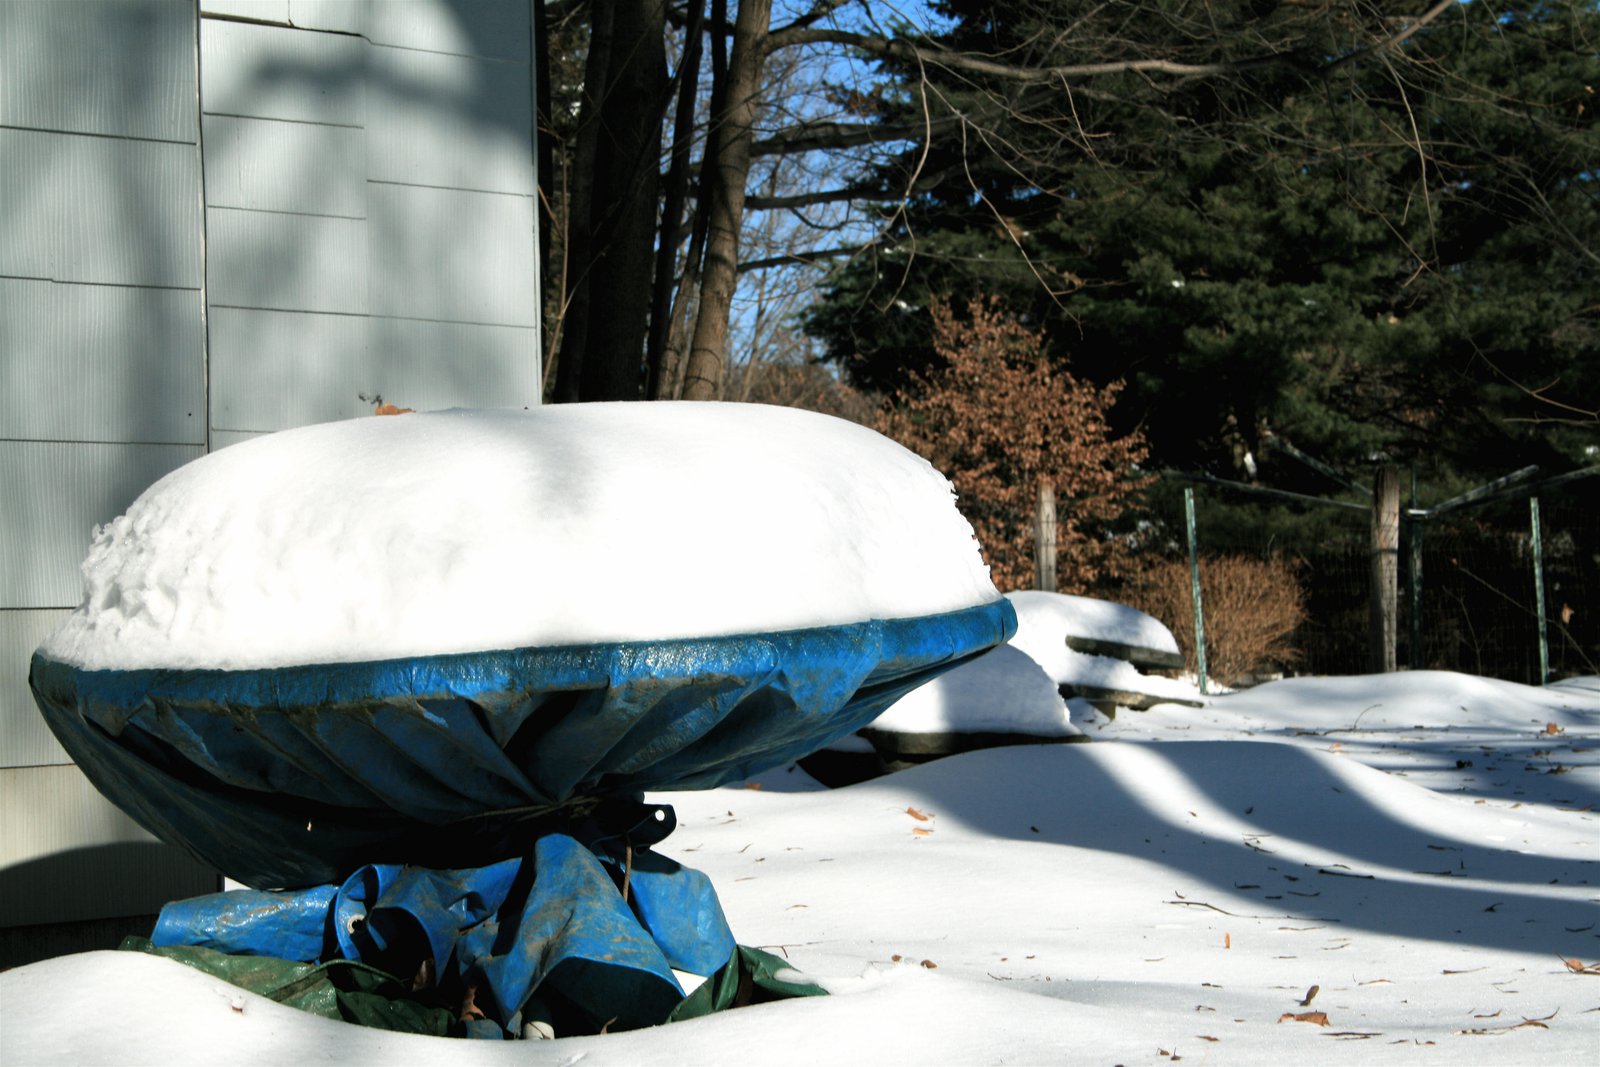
1001 691
1016 687
473 530
1046 620
1045 615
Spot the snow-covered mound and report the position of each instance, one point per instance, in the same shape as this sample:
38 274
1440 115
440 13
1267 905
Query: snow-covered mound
1043 617
1046 620
469 531
1002 691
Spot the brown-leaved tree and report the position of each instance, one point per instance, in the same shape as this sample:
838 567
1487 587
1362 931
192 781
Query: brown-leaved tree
999 419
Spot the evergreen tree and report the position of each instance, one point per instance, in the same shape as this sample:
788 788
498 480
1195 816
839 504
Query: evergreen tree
1345 224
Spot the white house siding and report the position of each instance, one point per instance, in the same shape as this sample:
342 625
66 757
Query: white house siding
340 203
102 338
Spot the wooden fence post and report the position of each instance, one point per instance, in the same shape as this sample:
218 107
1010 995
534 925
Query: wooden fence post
1044 539
1383 614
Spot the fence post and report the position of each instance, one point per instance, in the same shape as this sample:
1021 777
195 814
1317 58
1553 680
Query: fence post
1385 566
1415 658
1194 590
1538 591
1044 539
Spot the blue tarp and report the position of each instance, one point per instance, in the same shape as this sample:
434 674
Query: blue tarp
481 812
550 936
298 776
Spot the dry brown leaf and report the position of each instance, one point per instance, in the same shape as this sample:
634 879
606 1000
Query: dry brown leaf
896 958
390 409
1320 1018
920 816
1579 967
930 965
921 831
752 785
1566 614
1227 939
1207 1037
1552 728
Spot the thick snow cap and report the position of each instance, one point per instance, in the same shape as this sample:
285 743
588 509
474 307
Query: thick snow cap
465 531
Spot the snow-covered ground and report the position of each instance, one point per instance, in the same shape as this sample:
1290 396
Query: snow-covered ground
1180 889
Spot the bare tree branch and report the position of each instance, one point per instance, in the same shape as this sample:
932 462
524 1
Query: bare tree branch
821 196
789 259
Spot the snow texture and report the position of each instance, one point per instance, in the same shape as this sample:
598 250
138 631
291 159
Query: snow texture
1081 616
1142 899
1046 620
467 531
1001 691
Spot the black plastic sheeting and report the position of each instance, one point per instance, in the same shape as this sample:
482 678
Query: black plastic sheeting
298 776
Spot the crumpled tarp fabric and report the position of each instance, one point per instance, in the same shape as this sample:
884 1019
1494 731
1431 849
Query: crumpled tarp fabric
298 776
468 832
550 934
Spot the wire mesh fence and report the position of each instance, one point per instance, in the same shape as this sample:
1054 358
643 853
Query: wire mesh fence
1467 594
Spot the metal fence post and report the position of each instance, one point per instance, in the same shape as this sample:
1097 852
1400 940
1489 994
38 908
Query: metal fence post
1194 590
1538 591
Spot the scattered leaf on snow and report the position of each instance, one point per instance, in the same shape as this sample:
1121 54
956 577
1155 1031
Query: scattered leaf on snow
930 965
1552 728
1207 1037
921 831
753 785
897 957
920 816
1353 1035
1227 939
1579 967
1470 970
1320 1018
1525 1024
1376 981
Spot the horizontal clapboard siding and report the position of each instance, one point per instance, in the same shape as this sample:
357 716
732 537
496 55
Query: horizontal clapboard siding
433 365
271 165
451 255
101 363
274 72
288 262
272 370
56 493
448 120
99 209
119 69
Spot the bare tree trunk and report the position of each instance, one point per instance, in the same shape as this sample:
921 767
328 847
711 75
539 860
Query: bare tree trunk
626 177
676 192
574 325
708 351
